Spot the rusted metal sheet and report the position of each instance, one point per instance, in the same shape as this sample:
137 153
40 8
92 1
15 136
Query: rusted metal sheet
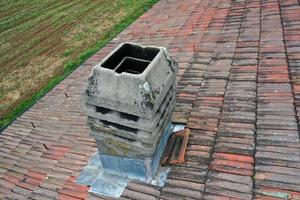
176 147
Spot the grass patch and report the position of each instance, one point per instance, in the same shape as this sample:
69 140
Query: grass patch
68 52
72 64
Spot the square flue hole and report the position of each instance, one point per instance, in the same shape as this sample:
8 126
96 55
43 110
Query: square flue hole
132 65
130 58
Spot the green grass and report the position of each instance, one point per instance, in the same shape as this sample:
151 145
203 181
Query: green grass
72 64
68 52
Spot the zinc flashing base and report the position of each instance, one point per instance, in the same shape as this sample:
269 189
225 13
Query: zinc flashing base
109 175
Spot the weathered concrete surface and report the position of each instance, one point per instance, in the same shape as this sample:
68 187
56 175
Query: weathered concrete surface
132 133
138 122
137 94
123 147
133 82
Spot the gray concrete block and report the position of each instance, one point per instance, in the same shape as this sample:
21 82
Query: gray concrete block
104 128
128 120
132 79
129 100
121 147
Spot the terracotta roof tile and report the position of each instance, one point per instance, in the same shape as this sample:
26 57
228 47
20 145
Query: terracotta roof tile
238 91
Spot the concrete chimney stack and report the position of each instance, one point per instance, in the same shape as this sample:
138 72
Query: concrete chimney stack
129 100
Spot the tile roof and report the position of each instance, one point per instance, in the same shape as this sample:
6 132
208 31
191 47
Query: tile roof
238 92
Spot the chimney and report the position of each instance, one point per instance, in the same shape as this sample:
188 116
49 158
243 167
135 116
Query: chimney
129 100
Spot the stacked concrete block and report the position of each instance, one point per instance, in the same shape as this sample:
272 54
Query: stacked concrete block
129 99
